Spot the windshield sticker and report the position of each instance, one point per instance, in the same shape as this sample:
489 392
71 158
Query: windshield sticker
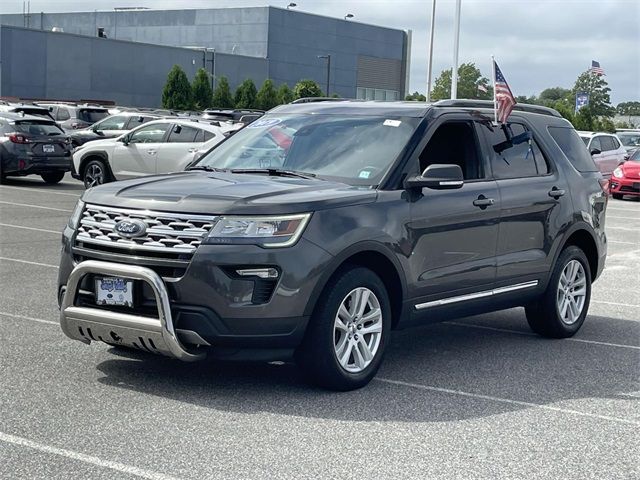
364 174
392 123
265 122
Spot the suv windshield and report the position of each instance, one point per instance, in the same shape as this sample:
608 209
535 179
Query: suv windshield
34 127
92 116
357 150
630 139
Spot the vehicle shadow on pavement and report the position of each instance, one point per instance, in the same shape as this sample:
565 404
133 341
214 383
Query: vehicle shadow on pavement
34 182
511 366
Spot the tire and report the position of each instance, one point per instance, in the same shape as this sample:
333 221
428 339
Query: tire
617 196
324 340
52 177
3 177
95 172
554 315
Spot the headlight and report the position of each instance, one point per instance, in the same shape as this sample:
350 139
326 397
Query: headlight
280 231
74 220
618 173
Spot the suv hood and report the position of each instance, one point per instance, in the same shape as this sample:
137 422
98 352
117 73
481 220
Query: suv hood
100 143
228 193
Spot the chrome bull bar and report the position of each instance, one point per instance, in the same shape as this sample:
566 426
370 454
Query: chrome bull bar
156 335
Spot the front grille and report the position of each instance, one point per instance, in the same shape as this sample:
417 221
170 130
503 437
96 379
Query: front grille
168 235
632 189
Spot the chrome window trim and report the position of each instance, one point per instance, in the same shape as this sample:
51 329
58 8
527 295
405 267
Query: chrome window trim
474 296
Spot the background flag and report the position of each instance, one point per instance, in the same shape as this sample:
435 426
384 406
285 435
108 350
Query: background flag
482 88
503 97
596 69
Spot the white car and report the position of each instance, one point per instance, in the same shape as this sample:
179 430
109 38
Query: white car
160 146
606 150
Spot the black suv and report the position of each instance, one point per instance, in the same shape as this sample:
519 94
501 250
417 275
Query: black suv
320 227
33 145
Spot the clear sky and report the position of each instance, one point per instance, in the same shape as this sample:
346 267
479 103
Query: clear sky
537 43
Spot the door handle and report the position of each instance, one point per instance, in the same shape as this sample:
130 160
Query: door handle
151 152
556 193
483 202
192 150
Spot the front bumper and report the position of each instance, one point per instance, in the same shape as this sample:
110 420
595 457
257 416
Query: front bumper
624 186
154 335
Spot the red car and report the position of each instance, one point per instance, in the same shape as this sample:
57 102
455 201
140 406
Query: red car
626 178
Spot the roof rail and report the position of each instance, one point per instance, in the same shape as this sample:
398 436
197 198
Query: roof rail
522 107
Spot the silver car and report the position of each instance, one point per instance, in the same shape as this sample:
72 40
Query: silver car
606 150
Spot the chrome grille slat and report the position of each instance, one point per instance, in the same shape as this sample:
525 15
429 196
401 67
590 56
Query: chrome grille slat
175 234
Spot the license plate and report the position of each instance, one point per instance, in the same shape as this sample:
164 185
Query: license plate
114 291
48 149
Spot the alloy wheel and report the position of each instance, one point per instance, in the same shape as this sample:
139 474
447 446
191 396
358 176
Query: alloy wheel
572 292
357 330
94 175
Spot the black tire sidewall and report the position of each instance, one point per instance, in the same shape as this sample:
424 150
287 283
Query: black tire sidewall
317 353
103 166
52 177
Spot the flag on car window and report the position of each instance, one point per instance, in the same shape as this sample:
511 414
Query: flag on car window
596 69
503 98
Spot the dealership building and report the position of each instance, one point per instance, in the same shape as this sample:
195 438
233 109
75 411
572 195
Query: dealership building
124 55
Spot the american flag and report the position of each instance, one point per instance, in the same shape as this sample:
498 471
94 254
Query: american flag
503 96
596 69
482 88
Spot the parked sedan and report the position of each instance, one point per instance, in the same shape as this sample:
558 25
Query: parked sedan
159 146
606 150
110 127
33 145
626 178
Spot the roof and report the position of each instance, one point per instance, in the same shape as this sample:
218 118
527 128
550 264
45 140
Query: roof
584 133
404 109
186 122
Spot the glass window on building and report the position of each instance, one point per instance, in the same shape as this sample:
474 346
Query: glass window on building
378 94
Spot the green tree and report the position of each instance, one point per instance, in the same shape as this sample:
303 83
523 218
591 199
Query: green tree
532 100
415 97
585 119
307 88
285 95
565 108
628 108
201 90
469 78
267 97
598 90
176 93
222 97
246 94
550 96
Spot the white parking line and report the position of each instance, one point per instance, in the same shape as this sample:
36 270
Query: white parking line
36 206
28 262
63 452
531 334
626 243
627 305
506 400
57 232
4 187
623 218
622 228
24 317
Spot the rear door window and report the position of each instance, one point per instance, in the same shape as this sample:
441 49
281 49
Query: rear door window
573 148
509 160
182 134
92 115
150 134
62 114
116 122
607 144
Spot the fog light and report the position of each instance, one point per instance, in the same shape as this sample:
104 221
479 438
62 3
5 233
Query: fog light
258 272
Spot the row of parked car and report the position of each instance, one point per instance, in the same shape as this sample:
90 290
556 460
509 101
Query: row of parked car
99 145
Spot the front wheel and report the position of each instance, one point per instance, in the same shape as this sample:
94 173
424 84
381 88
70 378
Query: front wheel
95 173
348 332
562 309
52 177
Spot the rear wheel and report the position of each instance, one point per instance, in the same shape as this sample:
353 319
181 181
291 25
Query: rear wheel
347 335
3 177
617 196
562 309
52 177
95 173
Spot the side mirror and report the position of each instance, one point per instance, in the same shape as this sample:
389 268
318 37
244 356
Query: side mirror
595 151
124 139
437 177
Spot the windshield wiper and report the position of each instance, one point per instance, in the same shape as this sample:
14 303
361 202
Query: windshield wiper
207 168
275 172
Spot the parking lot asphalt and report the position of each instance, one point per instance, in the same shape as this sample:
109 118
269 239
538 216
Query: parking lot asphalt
478 397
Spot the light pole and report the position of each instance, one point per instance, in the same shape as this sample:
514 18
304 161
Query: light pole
348 15
328 57
430 68
456 44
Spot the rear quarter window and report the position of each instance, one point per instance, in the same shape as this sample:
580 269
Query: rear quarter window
573 148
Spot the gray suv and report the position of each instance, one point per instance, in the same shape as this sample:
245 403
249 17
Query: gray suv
319 228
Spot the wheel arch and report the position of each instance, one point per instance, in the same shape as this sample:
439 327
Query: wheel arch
377 258
581 235
94 155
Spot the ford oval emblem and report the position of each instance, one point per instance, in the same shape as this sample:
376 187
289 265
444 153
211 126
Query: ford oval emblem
130 228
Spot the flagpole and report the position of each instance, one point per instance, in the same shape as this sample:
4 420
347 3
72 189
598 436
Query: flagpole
493 77
429 72
456 43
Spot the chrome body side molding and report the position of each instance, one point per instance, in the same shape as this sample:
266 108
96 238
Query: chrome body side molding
477 295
